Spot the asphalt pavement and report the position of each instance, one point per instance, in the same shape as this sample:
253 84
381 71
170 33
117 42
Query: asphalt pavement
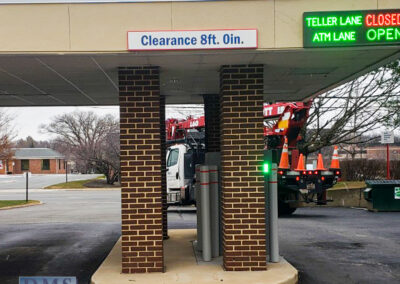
342 245
73 231
68 235
38 181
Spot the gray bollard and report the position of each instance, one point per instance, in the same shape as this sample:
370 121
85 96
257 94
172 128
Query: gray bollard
273 215
267 213
214 206
205 212
198 207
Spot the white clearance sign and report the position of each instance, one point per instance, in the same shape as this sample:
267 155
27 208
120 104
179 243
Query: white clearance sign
194 39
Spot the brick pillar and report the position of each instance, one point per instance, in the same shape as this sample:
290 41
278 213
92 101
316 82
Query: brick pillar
211 112
163 167
243 203
142 234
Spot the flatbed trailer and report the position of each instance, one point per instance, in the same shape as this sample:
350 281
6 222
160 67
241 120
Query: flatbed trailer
297 184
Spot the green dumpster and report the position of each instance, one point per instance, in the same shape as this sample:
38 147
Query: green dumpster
383 195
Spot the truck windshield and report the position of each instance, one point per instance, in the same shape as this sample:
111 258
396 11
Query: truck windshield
173 157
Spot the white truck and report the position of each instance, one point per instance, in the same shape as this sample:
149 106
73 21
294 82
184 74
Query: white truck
181 162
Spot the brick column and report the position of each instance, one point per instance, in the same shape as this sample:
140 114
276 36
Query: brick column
142 234
163 167
243 203
212 119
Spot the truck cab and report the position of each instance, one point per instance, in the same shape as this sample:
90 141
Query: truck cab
181 160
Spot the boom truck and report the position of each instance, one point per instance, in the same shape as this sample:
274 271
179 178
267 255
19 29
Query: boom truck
297 183
283 122
186 148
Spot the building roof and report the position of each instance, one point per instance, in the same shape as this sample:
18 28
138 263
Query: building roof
37 153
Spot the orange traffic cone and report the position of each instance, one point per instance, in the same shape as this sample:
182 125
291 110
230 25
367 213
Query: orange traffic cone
284 163
335 159
300 164
320 163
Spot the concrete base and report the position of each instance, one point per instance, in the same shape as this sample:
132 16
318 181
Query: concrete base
182 267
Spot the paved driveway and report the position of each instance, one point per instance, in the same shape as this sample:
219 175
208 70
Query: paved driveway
342 246
70 234
37 181
74 231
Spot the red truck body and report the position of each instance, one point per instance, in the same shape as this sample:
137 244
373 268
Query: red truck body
286 120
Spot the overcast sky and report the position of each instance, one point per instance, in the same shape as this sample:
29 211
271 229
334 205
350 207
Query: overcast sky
28 119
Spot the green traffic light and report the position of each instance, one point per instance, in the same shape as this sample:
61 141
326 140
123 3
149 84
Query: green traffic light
266 168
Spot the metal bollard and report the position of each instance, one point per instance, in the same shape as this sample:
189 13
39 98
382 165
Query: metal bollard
205 212
214 206
267 213
273 215
198 207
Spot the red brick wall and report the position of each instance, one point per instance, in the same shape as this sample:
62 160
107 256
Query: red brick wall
17 167
212 119
35 167
142 218
243 203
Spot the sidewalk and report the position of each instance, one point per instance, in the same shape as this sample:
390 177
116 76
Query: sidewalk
182 267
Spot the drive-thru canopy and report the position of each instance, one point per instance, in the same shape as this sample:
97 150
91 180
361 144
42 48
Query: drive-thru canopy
235 54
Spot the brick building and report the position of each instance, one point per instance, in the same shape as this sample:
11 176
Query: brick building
34 160
377 152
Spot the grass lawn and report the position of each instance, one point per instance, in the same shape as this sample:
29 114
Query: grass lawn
349 185
11 203
72 184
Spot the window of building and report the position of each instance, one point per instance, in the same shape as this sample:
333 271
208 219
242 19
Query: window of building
24 165
45 165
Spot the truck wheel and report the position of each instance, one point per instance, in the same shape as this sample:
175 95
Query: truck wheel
285 209
189 194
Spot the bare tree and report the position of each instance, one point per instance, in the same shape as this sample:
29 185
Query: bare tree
6 135
107 161
85 137
343 115
29 142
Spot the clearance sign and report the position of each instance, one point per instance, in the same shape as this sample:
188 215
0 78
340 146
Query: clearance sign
351 28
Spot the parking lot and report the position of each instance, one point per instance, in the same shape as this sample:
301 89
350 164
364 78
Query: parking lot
38 181
73 231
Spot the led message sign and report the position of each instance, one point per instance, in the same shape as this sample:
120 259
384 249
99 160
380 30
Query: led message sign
351 28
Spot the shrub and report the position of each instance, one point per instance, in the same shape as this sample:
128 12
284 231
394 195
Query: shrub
363 169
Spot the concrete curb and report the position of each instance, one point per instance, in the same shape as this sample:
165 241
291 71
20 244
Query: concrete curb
21 206
182 268
181 209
